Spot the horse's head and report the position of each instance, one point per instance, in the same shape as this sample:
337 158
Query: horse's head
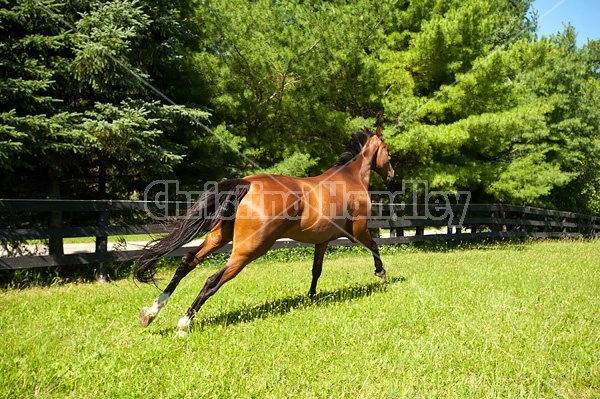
381 160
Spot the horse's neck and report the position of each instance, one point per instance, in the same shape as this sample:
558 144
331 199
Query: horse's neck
360 169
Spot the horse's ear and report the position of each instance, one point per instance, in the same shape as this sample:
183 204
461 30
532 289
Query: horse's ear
379 131
364 129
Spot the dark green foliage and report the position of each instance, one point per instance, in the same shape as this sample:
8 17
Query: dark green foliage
472 98
513 123
76 118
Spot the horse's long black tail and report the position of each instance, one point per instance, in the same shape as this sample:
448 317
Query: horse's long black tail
213 205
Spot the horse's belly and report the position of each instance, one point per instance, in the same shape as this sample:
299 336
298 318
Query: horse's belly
317 233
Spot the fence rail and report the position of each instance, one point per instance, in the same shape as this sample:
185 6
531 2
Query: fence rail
406 223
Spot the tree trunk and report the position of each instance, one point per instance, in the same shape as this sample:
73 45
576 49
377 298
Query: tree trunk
102 178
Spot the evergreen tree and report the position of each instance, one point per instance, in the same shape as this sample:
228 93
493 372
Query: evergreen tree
513 123
76 105
289 79
472 99
37 133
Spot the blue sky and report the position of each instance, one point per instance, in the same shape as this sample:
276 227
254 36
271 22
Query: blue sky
584 15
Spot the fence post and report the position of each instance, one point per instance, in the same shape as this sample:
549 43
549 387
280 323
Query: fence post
400 230
458 229
523 223
450 232
393 220
492 227
420 230
579 222
102 247
55 244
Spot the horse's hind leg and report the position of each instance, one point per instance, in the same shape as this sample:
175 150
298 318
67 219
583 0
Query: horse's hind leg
211 286
220 236
238 260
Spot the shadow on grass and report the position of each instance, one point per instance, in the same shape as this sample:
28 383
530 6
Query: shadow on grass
282 306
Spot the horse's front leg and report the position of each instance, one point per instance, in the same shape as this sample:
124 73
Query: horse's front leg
317 267
362 235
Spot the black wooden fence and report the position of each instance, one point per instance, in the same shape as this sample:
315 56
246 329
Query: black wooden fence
406 223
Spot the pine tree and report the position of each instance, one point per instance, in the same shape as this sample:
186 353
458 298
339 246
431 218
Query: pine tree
513 122
37 132
76 101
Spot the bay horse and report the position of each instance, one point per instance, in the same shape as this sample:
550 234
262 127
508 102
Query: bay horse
255 211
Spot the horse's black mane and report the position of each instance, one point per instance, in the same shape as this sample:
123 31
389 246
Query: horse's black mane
354 147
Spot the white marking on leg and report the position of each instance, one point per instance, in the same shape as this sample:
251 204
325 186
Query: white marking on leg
159 303
184 323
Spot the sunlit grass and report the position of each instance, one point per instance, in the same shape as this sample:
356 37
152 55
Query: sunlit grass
500 321
111 239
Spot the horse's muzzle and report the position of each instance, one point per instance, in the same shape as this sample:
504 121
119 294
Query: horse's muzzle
390 175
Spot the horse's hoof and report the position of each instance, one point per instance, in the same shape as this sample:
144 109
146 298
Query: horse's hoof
381 274
184 323
146 317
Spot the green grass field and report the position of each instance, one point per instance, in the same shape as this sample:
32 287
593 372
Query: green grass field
111 239
505 321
